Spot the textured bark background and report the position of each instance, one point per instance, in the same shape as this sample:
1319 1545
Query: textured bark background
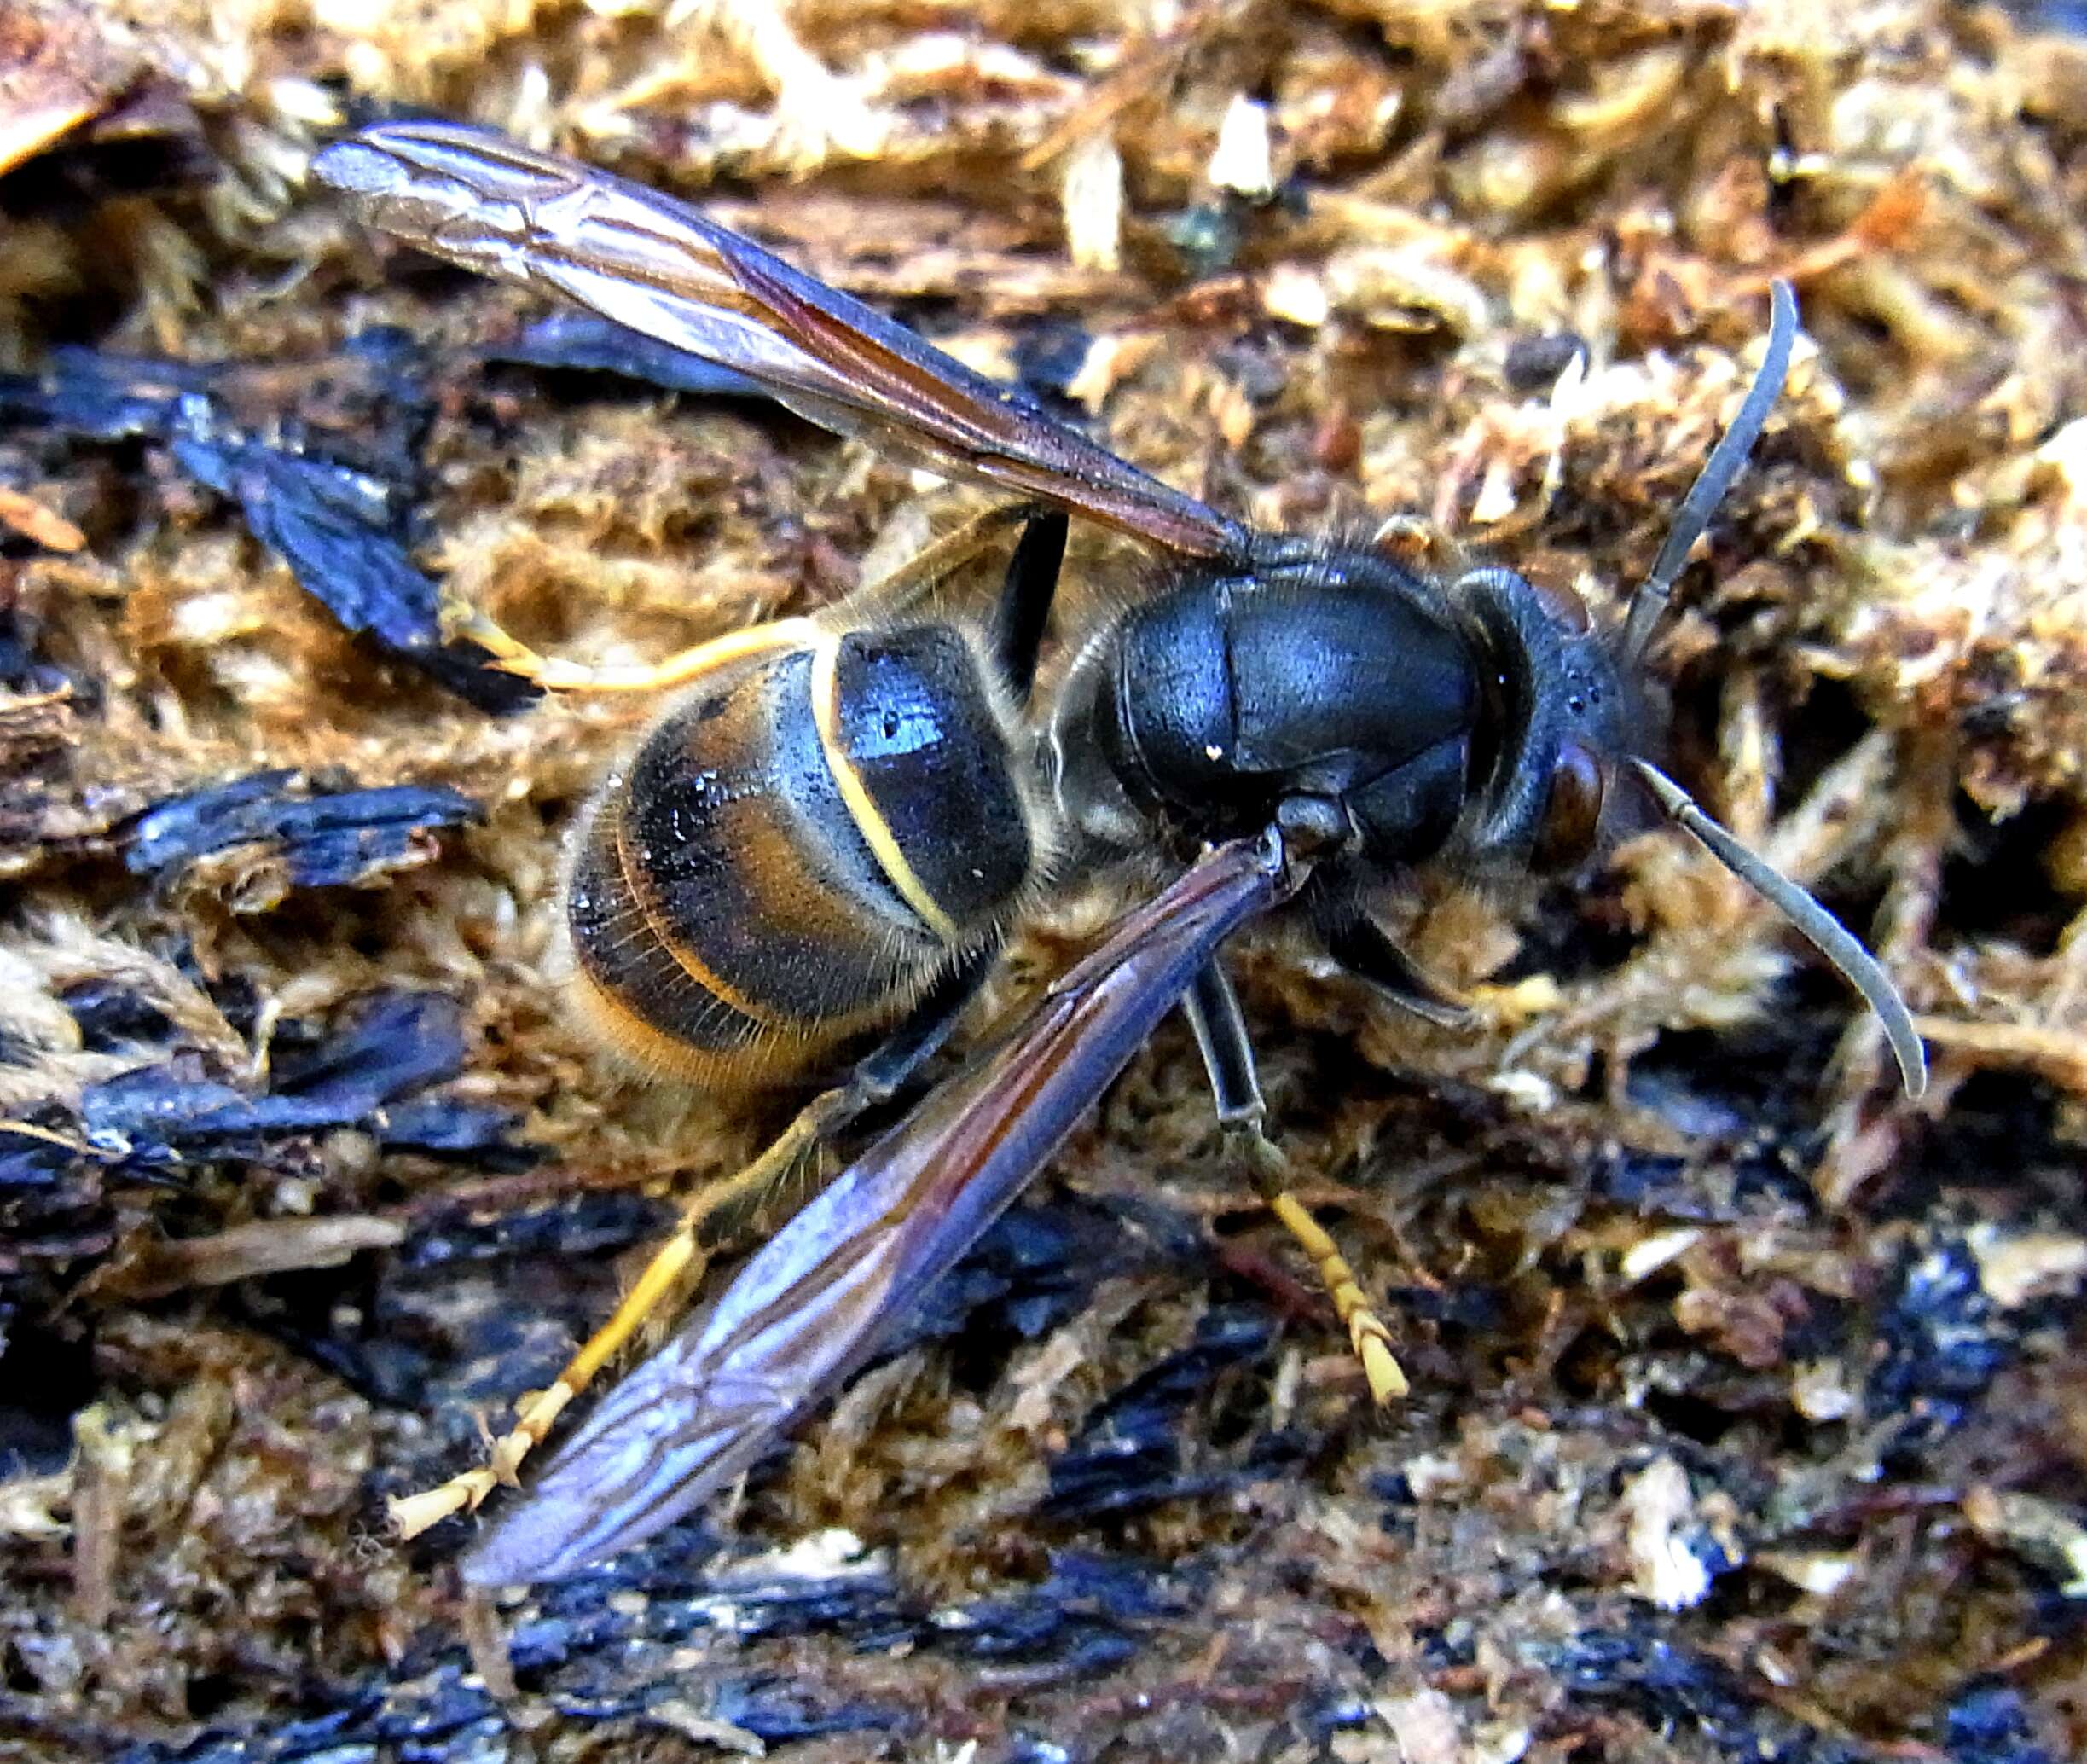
1750 1406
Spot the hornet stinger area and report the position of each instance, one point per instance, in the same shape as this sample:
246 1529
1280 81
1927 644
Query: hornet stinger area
823 840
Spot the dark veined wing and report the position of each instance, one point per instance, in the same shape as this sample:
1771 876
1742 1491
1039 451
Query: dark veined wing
660 267
807 1309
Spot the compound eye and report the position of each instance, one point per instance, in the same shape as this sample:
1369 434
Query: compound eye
1572 817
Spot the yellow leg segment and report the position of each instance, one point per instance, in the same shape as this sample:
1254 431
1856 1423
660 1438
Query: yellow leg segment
536 1414
1366 1333
554 675
888 597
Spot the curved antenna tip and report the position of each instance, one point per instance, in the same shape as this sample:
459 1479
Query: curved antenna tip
1723 465
1811 921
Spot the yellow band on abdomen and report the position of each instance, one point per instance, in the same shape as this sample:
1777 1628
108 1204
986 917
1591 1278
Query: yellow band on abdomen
869 819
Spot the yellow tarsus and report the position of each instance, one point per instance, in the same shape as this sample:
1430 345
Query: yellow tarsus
889 596
1366 1333
536 1414
555 674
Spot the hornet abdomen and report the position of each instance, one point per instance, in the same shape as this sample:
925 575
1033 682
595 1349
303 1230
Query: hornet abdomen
804 839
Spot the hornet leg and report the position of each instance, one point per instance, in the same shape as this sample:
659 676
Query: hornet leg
1213 1010
1357 942
888 597
877 1077
1024 606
